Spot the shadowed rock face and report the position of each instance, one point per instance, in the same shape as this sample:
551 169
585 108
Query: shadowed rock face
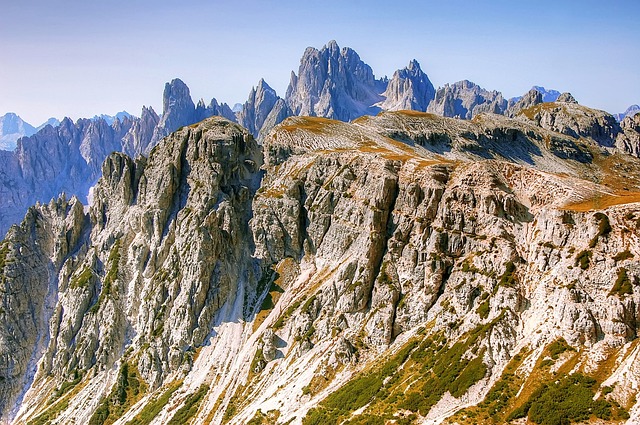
467 245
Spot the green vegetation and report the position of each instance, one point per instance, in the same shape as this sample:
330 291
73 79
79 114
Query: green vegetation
82 280
483 309
412 380
190 407
66 386
583 259
154 406
623 284
624 255
129 388
566 400
604 228
271 417
558 347
4 252
110 277
51 413
508 279
288 312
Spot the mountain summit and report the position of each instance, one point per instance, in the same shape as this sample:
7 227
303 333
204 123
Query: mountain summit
333 83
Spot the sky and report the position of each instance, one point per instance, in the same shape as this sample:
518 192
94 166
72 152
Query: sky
83 58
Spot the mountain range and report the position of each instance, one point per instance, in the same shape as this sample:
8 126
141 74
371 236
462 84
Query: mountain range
450 257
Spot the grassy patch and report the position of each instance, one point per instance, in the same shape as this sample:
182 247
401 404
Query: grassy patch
483 309
154 406
623 284
271 417
412 381
583 259
51 413
566 400
82 280
190 407
558 347
624 255
129 388
508 279
288 312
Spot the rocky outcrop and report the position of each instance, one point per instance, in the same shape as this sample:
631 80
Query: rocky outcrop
155 219
548 95
368 253
566 116
532 98
278 113
257 108
67 158
629 140
465 99
409 88
333 83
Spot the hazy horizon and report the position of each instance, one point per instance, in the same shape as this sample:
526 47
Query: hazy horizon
79 60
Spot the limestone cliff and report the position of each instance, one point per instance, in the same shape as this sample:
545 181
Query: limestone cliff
404 267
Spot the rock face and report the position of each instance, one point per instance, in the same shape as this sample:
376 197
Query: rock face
532 98
547 95
67 158
409 88
566 116
179 110
257 108
465 99
333 83
481 260
629 140
12 127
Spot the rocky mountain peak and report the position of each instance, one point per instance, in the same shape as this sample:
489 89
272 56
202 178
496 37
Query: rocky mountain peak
465 99
567 98
12 127
630 112
409 88
255 110
531 98
333 83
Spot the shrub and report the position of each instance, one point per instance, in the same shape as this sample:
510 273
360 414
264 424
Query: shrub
583 259
623 284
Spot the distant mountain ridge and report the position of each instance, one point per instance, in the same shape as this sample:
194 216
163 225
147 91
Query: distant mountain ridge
66 158
331 82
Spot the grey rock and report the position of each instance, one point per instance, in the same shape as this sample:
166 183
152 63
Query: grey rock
409 88
566 98
333 83
256 109
465 99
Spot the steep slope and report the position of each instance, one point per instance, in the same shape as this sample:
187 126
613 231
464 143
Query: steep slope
409 88
257 108
405 267
67 158
333 83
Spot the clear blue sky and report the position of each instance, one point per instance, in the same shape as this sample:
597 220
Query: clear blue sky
81 58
